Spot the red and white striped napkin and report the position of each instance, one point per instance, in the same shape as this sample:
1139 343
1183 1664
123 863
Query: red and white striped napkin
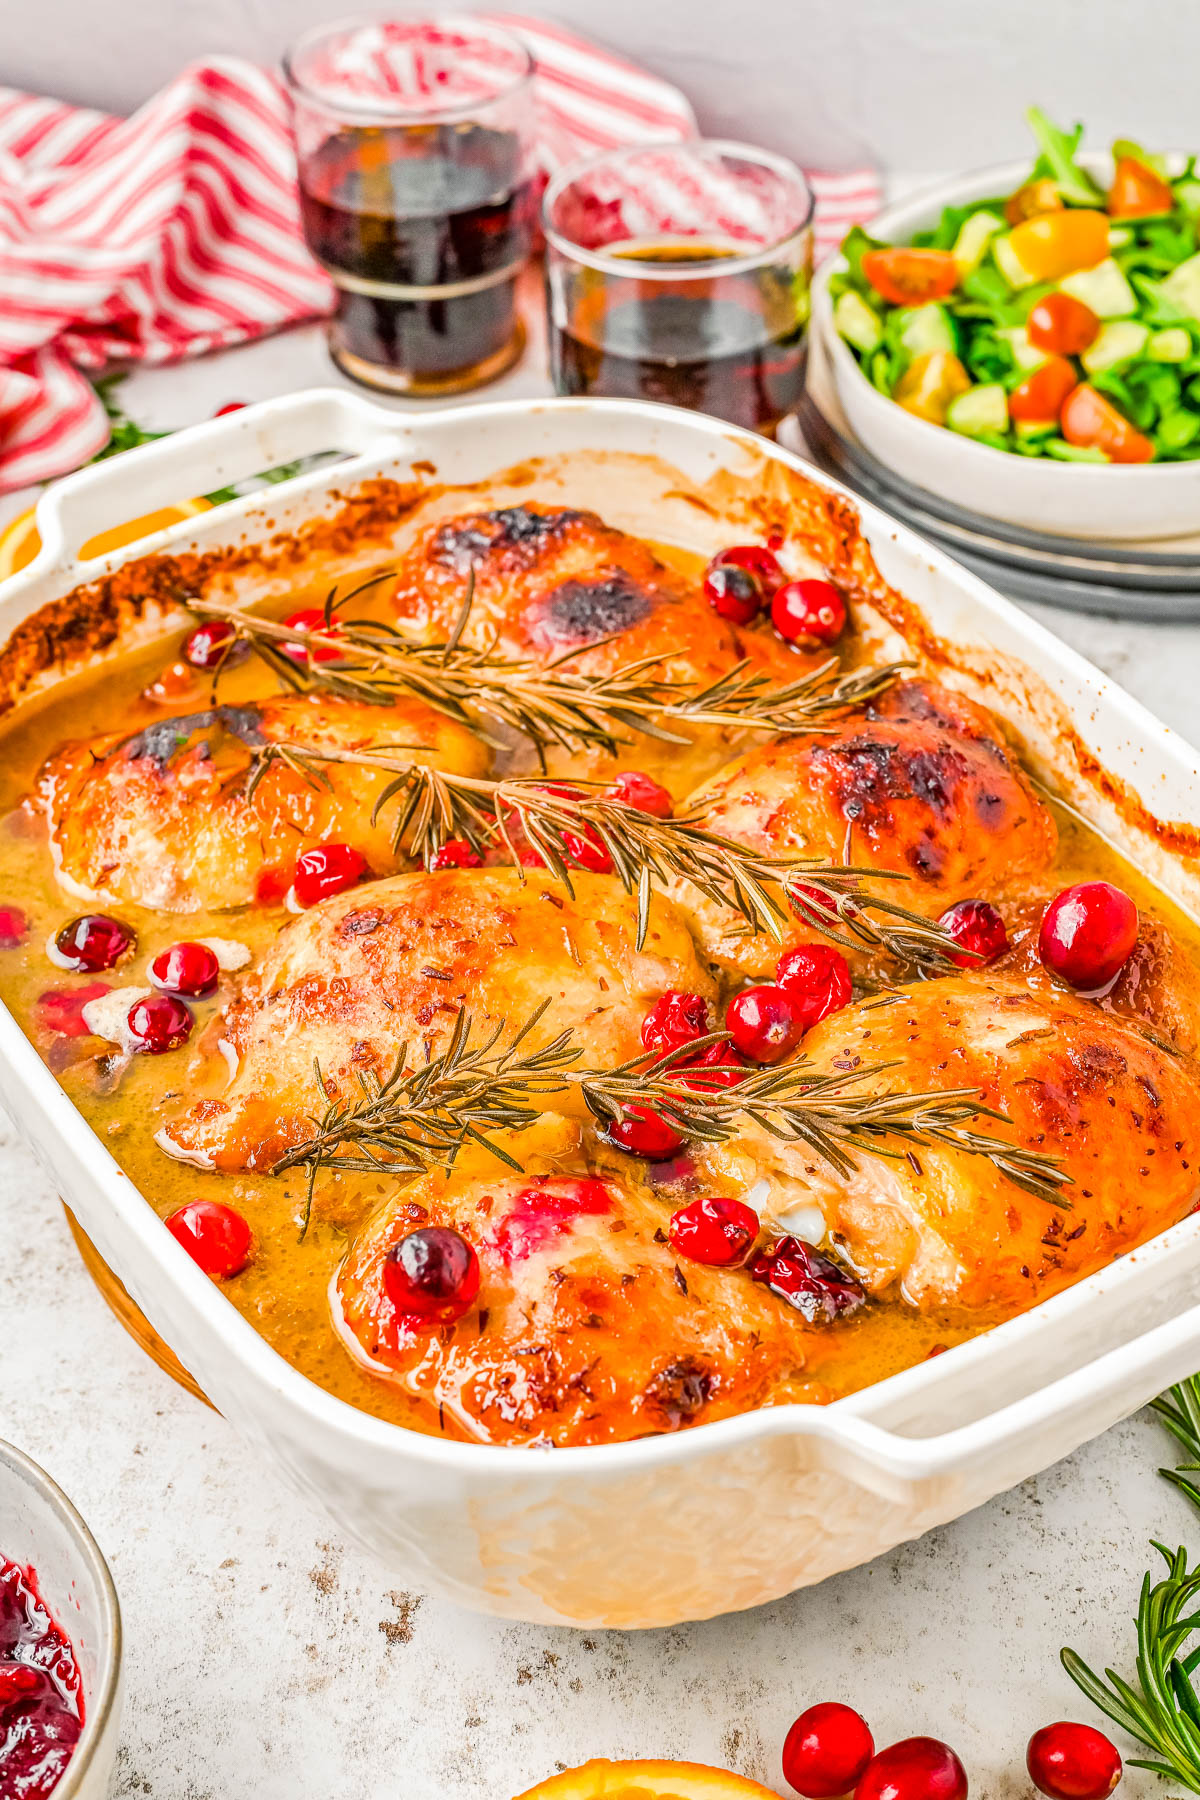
177 231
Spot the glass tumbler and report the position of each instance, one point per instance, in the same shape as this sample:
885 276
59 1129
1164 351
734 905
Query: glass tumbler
681 272
414 140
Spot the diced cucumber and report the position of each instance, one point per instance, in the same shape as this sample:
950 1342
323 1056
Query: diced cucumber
1182 286
1173 345
1033 430
1104 289
1177 429
1009 263
926 328
1119 237
1187 195
857 322
974 235
1083 453
1027 356
1118 342
980 409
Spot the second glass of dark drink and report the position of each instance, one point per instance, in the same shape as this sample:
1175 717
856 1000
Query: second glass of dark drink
680 272
414 140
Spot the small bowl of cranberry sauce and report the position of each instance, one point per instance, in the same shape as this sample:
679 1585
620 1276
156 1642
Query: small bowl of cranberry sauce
60 1644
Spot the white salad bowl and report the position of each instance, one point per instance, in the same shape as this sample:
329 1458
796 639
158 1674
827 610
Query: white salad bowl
1084 500
622 1535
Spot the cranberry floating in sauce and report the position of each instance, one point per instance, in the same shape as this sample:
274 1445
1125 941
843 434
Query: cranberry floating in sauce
716 1231
41 1695
758 559
916 1768
1088 934
431 1276
826 1750
643 1132
676 1018
308 619
214 645
93 942
14 927
158 1024
734 593
188 969
816 979
327 870
979 929
810 1282
1072 1762
216 1237
456 853
809 609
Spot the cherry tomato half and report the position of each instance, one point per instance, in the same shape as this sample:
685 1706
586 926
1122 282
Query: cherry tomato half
907 277
1057 243
1061 324
1137 190
1040 396
1091 420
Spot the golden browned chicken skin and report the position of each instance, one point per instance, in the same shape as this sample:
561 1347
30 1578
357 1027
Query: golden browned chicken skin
920 784
587 1327
946 1227
165 817
561 583
351 981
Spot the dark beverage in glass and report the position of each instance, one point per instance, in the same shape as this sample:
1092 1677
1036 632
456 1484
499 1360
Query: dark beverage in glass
424 223
680 273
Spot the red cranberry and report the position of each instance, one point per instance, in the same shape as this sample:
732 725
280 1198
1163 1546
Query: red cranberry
214 1236
93 942
61 1009
14 927
809 609
273 882
1072 1762
917 1768
159 1023
311 618
1088 934
190 969
978 927
638 790
432 1275
214 645
586 848
456 853
763 1023
826 1750
719 1066
734 593
714 1231
327 869
230 406
816 980
758 559
675 1019
643 1132
810 1282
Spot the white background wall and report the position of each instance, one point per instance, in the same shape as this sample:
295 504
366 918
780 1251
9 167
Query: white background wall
914 84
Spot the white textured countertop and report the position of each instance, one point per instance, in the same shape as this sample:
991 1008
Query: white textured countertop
267 1662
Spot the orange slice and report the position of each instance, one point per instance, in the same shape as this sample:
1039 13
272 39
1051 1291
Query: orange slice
20 543
602 1780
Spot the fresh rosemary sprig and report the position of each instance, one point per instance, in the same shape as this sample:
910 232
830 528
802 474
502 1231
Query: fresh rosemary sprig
549 704
829 1113
1163 1710
421 1118
412 1121
561 821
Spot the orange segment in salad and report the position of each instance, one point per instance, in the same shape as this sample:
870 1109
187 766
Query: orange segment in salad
930 383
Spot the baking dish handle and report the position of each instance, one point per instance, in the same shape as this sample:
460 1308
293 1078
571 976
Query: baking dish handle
201 458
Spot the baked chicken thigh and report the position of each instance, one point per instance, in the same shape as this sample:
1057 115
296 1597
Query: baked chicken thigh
351 981
168 817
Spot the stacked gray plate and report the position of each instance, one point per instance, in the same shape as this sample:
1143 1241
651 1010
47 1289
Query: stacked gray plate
1122 581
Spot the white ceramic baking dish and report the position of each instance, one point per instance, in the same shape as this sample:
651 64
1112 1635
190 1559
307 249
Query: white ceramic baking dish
742 1511
1135 502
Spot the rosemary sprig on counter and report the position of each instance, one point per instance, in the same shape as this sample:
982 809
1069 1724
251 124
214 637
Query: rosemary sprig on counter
420 1118
414 1120
1162 1711
549 704
561 821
